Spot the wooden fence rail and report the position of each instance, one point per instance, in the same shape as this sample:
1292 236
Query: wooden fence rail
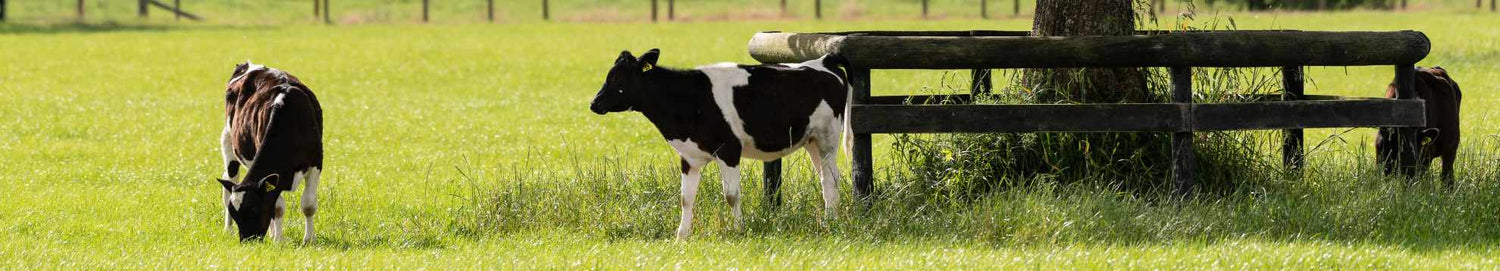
1179 52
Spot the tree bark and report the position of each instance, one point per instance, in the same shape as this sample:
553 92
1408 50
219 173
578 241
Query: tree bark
1078 18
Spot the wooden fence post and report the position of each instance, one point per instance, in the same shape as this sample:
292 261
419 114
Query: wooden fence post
1406 137
317 6
924 9
1183 158
489 6
1163 7
545 13
818 9
1291 144
80 10
327 10
671 10
862 159
142 10
984 9
783 8
1016 7
3 6
653 11
1492 5
772 183
176 6
424 11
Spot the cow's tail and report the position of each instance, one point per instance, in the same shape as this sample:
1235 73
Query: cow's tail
276 106
836 60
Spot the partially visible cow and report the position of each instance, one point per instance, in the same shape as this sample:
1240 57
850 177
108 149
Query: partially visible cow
1440 137
273 125
722 112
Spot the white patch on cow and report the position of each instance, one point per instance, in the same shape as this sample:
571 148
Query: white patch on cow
252 67
280 99
815 64
236 198
689 151
822 121
725 77
226 149
297 178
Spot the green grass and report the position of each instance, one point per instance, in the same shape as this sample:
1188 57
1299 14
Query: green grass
464 146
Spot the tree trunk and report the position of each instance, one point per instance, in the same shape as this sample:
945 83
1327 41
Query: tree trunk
1077 18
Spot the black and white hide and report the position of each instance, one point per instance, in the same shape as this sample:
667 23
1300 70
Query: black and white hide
273 125
722 112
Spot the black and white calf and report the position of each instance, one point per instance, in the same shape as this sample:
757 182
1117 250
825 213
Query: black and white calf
273 125
723 112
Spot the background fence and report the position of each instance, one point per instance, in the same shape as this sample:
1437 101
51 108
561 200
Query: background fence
479 11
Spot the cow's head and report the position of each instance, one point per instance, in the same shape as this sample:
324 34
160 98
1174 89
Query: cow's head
622 86
1387 144
242 84
252 203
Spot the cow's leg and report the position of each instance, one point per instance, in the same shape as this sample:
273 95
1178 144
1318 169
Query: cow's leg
730 173
824 155
277 219
691 173
1448 159
231 168
309 203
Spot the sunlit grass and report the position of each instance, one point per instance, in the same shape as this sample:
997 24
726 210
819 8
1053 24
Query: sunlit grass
470 146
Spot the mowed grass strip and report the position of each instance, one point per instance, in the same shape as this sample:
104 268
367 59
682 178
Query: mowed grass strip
471 145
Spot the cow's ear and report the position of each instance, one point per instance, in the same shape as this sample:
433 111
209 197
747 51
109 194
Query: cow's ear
228 185
1429 134
240 69
625 57
649 58
268 183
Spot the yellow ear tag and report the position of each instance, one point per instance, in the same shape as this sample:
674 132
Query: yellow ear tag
1426 141
270 187
646 68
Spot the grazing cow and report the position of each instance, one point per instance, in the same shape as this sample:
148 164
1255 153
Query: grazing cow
1440 137
273 125
722 112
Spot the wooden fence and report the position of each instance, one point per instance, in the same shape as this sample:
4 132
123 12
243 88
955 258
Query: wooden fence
981 51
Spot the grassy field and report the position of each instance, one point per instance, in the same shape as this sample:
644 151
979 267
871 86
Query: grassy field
474 11
465 146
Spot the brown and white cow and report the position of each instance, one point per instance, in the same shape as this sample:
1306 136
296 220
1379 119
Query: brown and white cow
273 125
722 112
1441 136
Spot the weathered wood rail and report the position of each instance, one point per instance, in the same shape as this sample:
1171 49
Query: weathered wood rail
981 51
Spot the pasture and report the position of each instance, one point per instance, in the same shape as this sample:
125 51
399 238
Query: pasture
469 146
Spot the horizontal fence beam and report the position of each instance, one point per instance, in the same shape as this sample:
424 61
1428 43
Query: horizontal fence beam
969 99
1009 49
1309 114
1163 117
1014 118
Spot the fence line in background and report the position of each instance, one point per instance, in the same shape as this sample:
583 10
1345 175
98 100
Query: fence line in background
321 8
